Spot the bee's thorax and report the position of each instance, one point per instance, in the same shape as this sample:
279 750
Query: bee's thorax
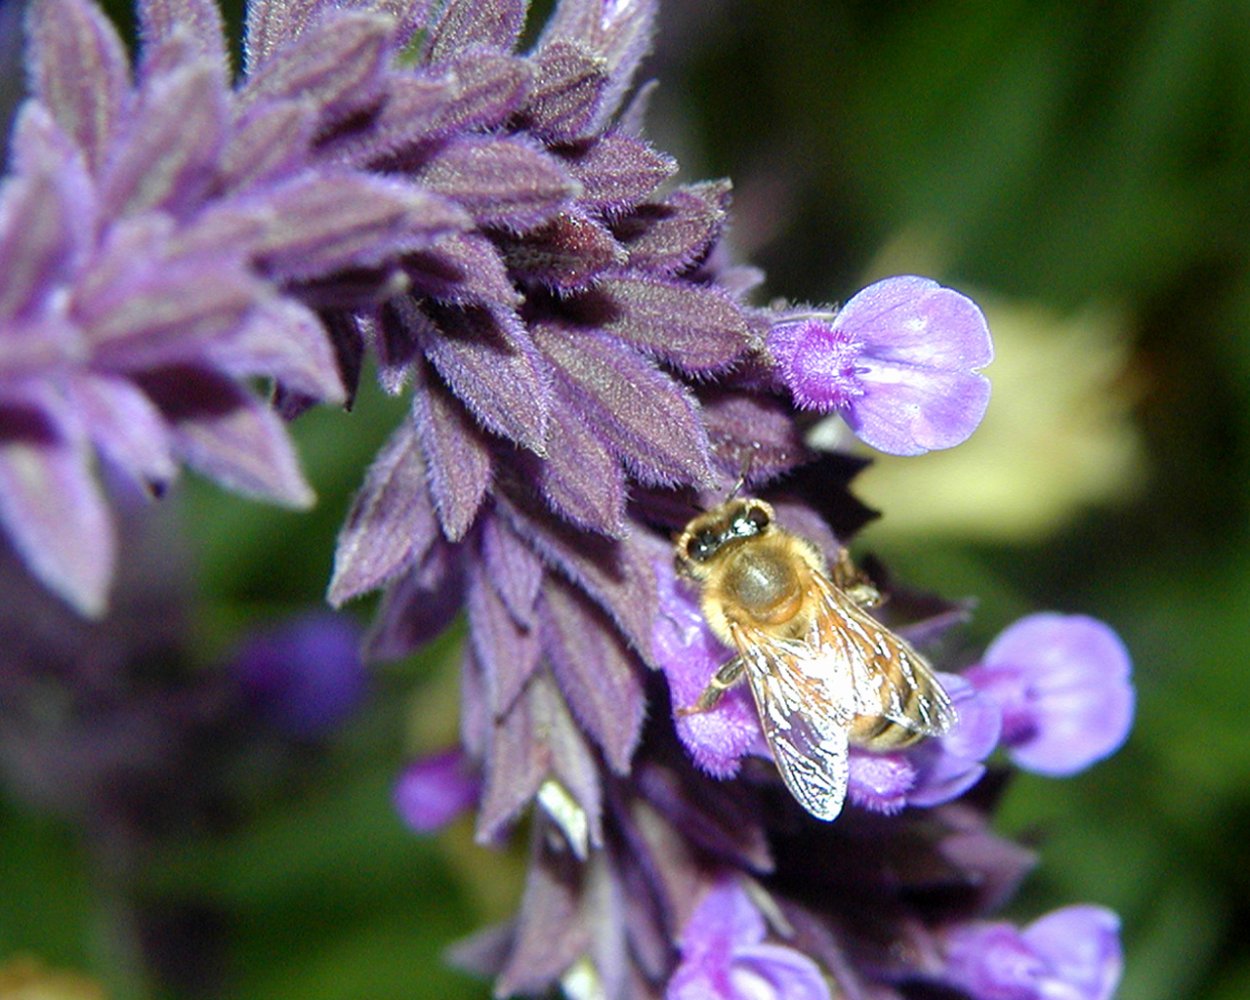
764 584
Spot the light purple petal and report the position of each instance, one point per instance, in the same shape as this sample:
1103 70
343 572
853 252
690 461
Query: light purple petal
51 506
951 764
457 456
819 362
905 411
880 782
500 181
685 649
436 790
922 345
618 171
1063 685
80 71
596 671
649 419
491 24
1082 946
390 524
221 430
777 971
1073 953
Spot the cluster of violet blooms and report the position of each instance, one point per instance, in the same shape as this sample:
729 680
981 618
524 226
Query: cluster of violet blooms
393 179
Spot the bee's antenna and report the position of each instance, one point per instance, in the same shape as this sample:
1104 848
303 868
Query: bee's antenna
742 476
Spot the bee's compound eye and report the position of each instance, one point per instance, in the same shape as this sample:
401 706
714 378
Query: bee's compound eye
701 546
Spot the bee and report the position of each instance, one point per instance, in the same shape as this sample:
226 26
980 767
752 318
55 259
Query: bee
825 674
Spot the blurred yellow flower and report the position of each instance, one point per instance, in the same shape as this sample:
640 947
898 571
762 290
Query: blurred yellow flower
24 977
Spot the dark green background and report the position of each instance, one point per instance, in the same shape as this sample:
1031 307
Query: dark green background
1061 155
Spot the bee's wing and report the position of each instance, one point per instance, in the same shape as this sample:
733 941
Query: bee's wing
806 703
890 679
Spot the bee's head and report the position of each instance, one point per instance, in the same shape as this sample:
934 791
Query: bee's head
707 535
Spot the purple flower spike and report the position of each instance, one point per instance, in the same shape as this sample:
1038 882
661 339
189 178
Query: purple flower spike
1062 685
433 791
689 655
1071 954
724 957
305 676
900 363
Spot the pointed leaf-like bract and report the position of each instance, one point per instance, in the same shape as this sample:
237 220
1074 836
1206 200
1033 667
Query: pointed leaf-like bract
337 63
80 71
514 570
567 92
269 141
391 522
618 172
500 181
490 363
619 576
646 417
507 652
419 605
669 235
490 24
457 456
51 505
198 20
566 254
126 427
596 671
695 327
171 144
221 430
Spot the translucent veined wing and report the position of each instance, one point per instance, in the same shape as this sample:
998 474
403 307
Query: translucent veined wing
806 703
890 679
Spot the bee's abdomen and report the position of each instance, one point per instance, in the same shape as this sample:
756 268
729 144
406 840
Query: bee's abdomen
876 732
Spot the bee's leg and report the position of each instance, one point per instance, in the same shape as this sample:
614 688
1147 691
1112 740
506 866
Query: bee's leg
725 678
848 579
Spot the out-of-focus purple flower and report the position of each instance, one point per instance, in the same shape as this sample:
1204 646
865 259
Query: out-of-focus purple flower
1071 954
935 770
304 676
1062 684
435 790
724 954
900 362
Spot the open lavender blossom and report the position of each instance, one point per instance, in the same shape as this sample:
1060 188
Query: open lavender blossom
724 955
1062 685
900 361
396 179
1071 953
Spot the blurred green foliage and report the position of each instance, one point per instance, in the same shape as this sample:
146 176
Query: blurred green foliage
1059 156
